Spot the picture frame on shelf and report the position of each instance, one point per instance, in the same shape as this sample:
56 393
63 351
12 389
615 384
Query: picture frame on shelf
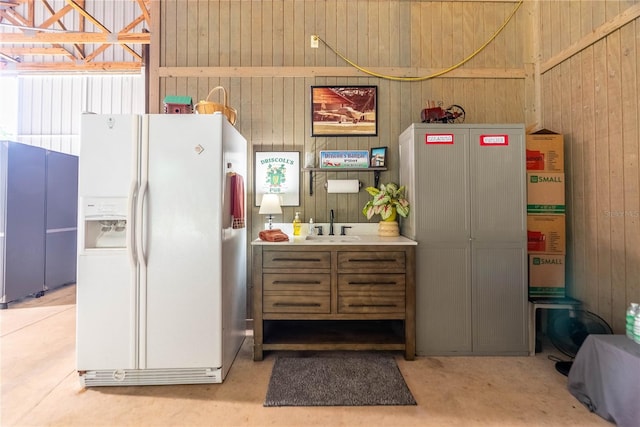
278 172
378 157
344 110
344 159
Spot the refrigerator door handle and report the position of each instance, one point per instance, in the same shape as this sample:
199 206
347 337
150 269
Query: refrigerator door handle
139 221
133 251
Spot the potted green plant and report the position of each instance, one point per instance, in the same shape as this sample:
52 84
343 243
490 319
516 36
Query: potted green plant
388 201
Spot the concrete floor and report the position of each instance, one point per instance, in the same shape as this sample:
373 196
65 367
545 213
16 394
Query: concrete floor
40 387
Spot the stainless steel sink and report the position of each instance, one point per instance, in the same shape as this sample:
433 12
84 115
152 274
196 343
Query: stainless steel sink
333 239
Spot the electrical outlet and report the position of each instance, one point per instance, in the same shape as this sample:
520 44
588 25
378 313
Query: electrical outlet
314 41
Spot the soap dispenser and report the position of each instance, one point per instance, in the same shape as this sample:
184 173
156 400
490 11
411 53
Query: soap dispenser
297 223
312 229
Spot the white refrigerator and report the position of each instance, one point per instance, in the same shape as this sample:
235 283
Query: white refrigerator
161 283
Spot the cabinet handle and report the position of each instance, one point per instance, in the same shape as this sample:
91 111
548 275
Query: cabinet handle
296 282
296 304
371 260
298 259
372 283
373 305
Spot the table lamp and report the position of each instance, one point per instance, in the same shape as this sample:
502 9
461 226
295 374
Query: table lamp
270 205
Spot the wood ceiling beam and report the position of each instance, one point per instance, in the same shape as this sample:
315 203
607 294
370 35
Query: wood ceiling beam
7 12
480 73
94 38
31 12
11 16
133 24
144 7
81 23
130 27
98 24
70 67
96 52
28 51
103 37
87 15
56 18
629 15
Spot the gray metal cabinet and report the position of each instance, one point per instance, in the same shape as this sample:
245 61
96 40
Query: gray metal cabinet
467 188
24 218
38 205
62 219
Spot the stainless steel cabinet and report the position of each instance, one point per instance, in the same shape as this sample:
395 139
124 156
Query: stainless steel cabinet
466 186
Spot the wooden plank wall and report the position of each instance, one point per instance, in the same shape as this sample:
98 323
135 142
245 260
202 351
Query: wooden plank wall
591 97
259 51
588 90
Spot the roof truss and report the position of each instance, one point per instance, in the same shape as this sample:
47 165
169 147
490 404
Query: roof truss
27 45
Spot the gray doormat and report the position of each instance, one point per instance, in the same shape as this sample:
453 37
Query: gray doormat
344 380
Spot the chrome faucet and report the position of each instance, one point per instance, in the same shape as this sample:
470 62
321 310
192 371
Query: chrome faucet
331 218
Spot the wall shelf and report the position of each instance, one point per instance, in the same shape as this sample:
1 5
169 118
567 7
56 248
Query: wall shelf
376 174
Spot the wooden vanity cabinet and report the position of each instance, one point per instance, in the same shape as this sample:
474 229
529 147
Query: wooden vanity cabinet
334 297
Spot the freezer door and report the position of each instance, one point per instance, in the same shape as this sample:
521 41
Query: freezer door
107 282
108 155
183 242
106 312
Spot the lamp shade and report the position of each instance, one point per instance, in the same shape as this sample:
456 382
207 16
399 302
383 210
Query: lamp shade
270 204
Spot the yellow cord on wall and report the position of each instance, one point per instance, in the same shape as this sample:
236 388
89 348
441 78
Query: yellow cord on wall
439 73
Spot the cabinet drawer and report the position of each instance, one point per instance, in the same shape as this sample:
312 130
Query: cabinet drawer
296 282
301 259
371 303
296 303
371 282
379 261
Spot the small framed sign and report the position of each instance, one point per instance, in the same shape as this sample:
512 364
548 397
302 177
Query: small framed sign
379 157
278 172
342 159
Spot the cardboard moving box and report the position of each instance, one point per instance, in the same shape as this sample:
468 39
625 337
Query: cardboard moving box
545 151
546 275
546 234
545 192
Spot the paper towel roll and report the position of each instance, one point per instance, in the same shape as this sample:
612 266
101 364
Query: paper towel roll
343 186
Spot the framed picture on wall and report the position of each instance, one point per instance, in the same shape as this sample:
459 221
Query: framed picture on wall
378 157
344 110
278 172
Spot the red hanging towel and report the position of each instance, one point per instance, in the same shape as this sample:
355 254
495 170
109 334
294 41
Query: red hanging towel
237 201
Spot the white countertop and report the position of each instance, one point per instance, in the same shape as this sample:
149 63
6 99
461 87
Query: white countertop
357 234
338 240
